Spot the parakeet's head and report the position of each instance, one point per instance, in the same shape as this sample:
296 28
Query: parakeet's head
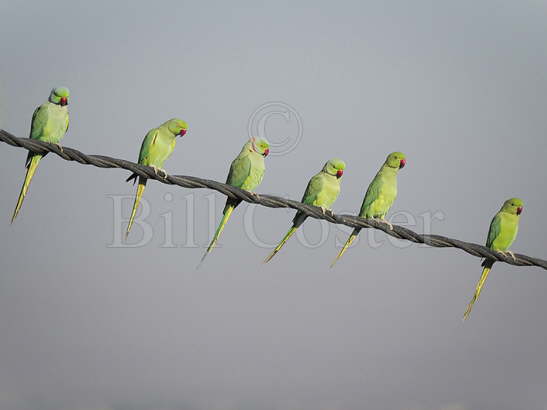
396 160
177 127
513 206
335 167
59 96
260 146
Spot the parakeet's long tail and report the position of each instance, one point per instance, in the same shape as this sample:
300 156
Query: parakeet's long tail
227 213
138 196
486 270
346 245
280 245
31 169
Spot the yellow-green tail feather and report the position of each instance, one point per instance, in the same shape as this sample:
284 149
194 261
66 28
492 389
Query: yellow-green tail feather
478 289
346 246
138 196
280 245
227 213
31 169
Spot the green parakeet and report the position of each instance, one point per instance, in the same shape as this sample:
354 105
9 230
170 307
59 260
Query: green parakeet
49 124
246 172
380 195
157 146
322 191
501 235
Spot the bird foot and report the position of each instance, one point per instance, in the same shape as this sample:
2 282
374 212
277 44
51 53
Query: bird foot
60 147
323 210
159 171
505 253
387 223
326 211
254 195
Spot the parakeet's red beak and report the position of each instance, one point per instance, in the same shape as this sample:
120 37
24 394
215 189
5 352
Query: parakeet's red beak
402 163
64 101
339 173
182 133
266 152
519 210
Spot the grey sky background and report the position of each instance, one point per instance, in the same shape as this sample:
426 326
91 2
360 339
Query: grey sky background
460 87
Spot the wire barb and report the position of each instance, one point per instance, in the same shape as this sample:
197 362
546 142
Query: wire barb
270 201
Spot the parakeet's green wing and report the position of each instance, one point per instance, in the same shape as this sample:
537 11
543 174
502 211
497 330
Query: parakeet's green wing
144 153
39 120
494 231
373 191
310 196
239 171
148 142
312 190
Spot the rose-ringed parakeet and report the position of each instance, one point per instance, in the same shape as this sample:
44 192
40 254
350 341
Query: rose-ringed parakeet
322 191
246 172
157 146
380 195
49 124
501 235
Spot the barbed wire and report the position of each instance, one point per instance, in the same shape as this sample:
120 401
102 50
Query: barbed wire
270 201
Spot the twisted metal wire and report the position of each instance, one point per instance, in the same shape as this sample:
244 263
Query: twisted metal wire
270 201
